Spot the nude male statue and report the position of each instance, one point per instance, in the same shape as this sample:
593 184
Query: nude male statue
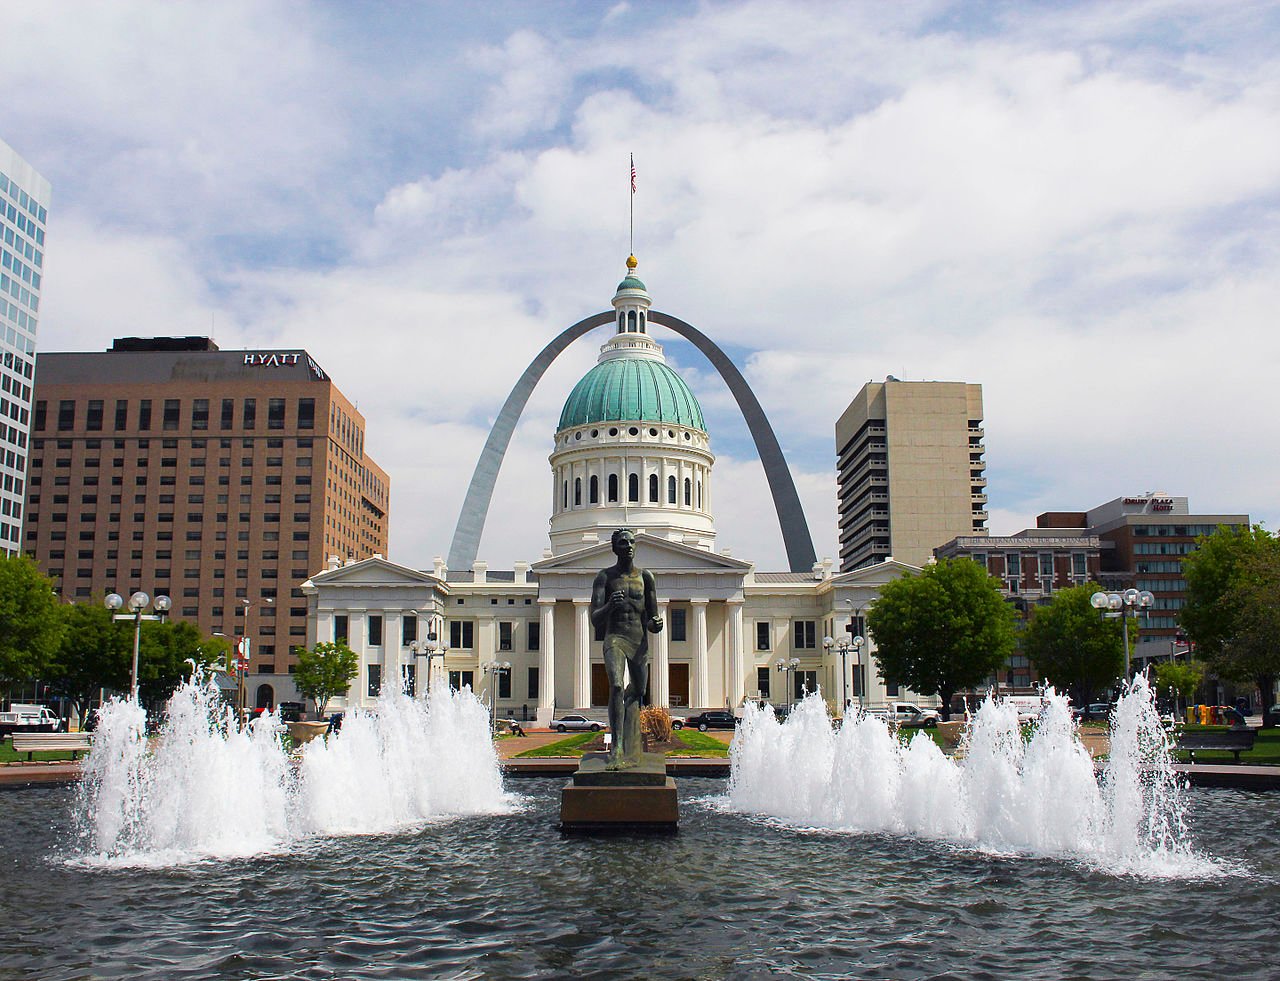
624 611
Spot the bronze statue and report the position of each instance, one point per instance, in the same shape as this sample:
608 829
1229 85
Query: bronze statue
624 611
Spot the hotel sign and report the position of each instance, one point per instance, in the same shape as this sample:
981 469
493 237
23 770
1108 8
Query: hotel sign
283 359
1149 503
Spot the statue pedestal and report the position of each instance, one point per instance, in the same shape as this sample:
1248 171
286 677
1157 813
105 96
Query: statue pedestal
640 798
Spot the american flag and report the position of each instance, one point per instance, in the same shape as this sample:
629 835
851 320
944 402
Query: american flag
633 173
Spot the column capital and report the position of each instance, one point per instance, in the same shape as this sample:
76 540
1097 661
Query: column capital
735 602
699 602
582 602
546 601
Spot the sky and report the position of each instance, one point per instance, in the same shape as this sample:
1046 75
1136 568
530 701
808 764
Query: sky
1074 205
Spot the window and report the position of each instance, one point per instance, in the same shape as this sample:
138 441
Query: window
275 413
762 635
891 688
228 413
306 413
375 629
688 492
504 639
679 624
66 414
633 488
122 414
408 628
533 683
250 413
533 635
199 413
593 490
1046 571
806 682
171 409
671 490
340 628
613 488
577 491
41 415
804 635
762 682
653 488
144 415
462 634
93 421
375 680
461 679
1079 566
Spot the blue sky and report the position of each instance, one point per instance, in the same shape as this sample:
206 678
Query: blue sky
1075 205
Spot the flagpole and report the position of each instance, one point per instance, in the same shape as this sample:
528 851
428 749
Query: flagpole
632 249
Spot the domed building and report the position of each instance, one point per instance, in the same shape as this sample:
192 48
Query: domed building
631 449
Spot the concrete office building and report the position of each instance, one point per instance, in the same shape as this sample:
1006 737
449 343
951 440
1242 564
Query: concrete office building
222 479
24 202
911 470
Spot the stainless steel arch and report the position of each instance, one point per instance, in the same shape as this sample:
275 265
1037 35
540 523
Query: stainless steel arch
475 507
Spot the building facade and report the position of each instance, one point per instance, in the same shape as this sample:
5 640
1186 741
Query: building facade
911 470
631 449
219 478
24 203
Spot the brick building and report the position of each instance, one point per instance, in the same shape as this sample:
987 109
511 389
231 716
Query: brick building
222 479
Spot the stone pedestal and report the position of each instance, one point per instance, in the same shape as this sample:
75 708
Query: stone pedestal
642 797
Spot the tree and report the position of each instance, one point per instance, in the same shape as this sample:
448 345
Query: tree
164 657
325 671
1183 678
1232 611
942 631
1074 647
31 626
94 655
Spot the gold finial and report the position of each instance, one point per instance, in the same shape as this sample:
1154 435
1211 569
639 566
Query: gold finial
632 262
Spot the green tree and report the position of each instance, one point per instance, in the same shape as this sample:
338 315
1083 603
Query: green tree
1183 678
31 625
325 671
1233 607
1074 647
94 655
165 655
942 631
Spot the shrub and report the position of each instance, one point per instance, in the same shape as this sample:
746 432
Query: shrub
655 723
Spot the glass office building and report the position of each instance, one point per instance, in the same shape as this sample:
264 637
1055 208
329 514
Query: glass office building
24 200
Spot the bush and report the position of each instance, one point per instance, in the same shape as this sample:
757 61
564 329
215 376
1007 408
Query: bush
655 723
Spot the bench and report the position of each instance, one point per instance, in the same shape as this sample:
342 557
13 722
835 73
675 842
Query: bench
47 742
1235 740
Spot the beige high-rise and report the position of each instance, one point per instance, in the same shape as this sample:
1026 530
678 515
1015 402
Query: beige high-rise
911 470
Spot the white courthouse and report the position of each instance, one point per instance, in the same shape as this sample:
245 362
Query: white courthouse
631 450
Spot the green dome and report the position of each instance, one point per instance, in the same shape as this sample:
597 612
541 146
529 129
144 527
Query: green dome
631 283
631 390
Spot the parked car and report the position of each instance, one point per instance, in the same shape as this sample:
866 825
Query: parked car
908 714
29 718
575 723
702 721
1094 712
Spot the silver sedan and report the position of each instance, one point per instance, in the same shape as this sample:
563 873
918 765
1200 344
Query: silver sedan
575 723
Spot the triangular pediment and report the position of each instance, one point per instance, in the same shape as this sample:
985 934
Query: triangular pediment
655 554
878 574
374 572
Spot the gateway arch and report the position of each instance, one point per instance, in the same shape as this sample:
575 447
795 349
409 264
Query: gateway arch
475 507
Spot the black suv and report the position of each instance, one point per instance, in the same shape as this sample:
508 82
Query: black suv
707 720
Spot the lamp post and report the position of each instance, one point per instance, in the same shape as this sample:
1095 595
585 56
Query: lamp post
494 669
787 668
244 652
1123 605
137 603
429 649
842 648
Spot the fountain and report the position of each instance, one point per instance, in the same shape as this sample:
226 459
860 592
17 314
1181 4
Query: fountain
207 788
1009 795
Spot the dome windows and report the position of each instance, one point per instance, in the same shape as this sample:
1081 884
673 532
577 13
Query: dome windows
633 431
653 488
633 489
613 488
593 491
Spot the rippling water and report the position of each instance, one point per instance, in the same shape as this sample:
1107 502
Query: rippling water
507 896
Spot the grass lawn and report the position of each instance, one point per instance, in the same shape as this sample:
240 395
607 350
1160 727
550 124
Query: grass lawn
568 746
1266 748
698 744
8 755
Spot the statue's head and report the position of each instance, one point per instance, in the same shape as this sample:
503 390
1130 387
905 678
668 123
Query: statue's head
624 542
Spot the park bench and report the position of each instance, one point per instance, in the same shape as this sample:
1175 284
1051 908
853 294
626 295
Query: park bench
1235 740
45 742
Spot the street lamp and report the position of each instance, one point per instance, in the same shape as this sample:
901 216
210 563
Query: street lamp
137 603
428 649
244 650
843 647
787 668
494 669
1123 605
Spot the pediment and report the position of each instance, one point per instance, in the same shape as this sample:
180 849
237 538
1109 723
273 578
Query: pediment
655 554
374 572
875 575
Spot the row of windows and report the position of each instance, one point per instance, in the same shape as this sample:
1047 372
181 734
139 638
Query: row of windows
633 490
1164 548
21 198
1175 531
1165 585
1159 566
171 414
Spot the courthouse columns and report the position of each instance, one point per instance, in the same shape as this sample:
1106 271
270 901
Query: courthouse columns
582 653
547 660
660 666
702 683
734 677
